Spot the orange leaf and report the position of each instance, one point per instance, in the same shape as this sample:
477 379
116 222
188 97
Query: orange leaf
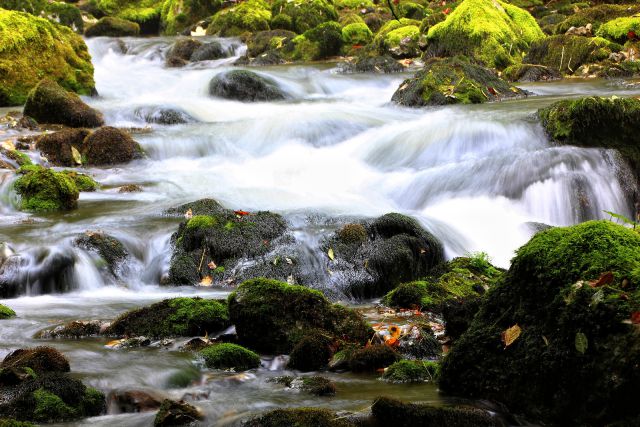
206 281
635 317
212 265
510 335
604 279
392 342
241 213
395 331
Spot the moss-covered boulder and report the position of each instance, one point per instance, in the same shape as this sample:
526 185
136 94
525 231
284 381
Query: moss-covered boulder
596 16
58 147
566 53
57 12
110 249
109 146
492 31
40 360
387 411
110 26
181 51
230 356
178 15
411 371
145 13
264 41
446 81
311 353
249 16
398 38
42 190
357 34
305 14
246 86
596 122
172 317
298 417
321 42
272 316
84 182
577 289
621 29
48 102
33 48
6 312
172 413
525 73
372 358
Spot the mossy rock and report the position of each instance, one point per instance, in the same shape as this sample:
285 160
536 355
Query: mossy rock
58 147
298 417
230 356
110 249
110 146
33 48
264 41
388 411
182 316
356 34
596 122
411 371
20 158
618 30
48 102
84 182
388 39
172 413
249 16
181 51
145 13
6 312
567 53
490 31
373 358
178 15
305 14
57 12
314 385
526 73
272 316
43 190
574 337
311 353
377 64
321 42
110 26
353 4
246 86
445 81
9 422
596 16
40 360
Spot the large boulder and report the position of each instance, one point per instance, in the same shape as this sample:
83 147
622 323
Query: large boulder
453 81
567 53
42 190
48 102
181 51
247 86
57 12
371 258
272 316
321 42
58 146
398 39
39 359
110 26
110 249
620 30
304 14
144 13
492 31
172 317
248 16
178 15
32 48
567 351
230 356
109 146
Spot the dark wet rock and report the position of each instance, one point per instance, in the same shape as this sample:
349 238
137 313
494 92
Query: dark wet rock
208 52
39 359
458 315
377 64
110 249
109 146
576 290
181 51
421 344
230 356
298 417
387 411
396 249
49 103
73 330
271 57
172 317
311 353
164 116
57 147
130 188
372 358
315 385
453 81
130 401
110 26
174 413
246 86
272 316
525 73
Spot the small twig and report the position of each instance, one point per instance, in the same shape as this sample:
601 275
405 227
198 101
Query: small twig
393 12
204 250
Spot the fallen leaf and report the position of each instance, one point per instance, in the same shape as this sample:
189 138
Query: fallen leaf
446 11
511 334
635 317
113 343
188 214
604 279
331 255
492 91
199 32
392 342
206 281
241 213
395 331
276 260
76 155
212 265
546 341
581 342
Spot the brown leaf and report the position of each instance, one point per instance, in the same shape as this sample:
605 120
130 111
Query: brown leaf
510 335
604 279
212 265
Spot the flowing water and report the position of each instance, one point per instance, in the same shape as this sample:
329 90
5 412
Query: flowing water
478 177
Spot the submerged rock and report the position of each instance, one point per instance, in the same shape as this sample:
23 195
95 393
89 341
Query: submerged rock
110 249
246 86
49 103
110 26
315 385
208 52
174 413
164 116
131 401
181 51
453 81
577 289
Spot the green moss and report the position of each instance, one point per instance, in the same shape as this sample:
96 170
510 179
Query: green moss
202 222
567 53
50 408
305 14
33 48
412 10
327 38
93 402
406 371
6 312
42 190
491 31
353 4
110 26
248 16
350 18
17 156
298 417
372 358
146 13
230 356
356 34
617 29
311 353
352 234
65 14
173 317
7 422
596 16
387 411
381 35
82 181
178 15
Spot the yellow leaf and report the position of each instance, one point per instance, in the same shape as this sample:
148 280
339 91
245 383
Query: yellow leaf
511 334
332 256
76 155
188 214
395 331
212 265
206 281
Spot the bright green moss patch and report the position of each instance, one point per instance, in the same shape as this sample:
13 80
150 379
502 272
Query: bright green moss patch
49 407
202 221
353 4
567 53
110 26
492 31
6 312
82 181
305 14
618 29
180 14
230 356
356 34
596 16
405 371
146 13
42 190
248 16
33 48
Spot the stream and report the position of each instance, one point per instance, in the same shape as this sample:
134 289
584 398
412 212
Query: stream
478 177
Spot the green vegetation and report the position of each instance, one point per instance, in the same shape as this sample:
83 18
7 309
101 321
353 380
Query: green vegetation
298 417
596 16
372 358
110 26
305 14
178 15
33 48
6 312
356 34
567 53
42 190
248 16
50 408
618 29
83 182
406 371
230 356
145 13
